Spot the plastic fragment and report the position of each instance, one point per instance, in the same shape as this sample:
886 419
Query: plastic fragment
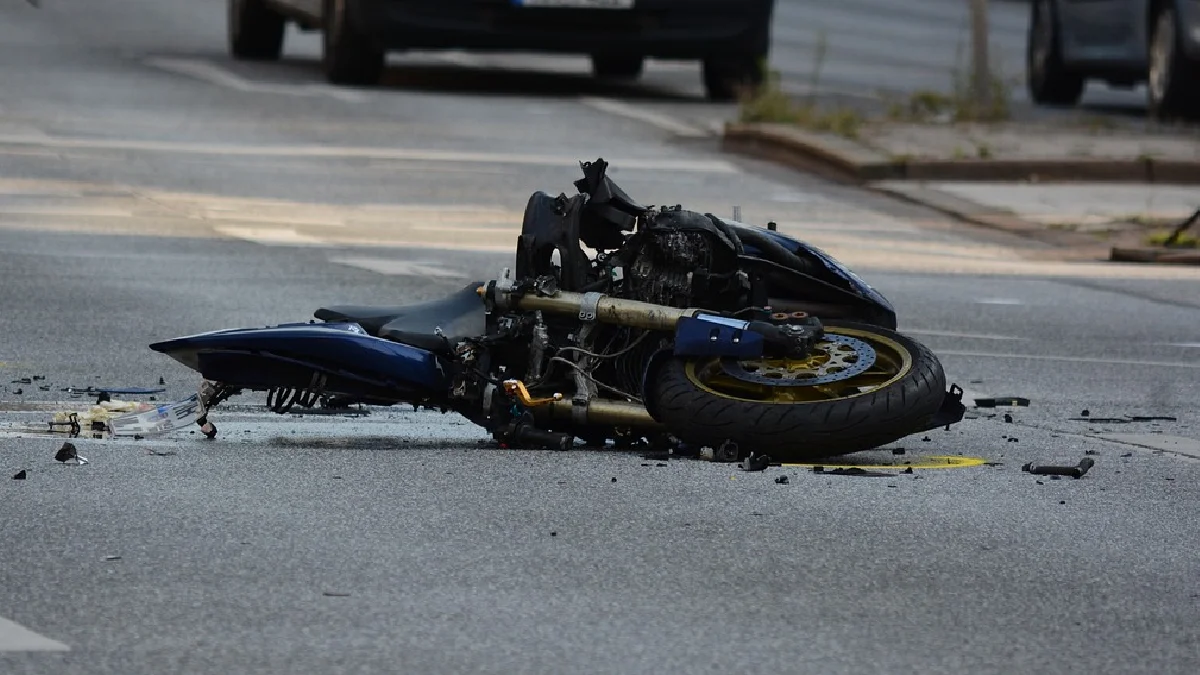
20 475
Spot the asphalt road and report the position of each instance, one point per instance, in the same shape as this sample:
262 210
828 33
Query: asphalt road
143 196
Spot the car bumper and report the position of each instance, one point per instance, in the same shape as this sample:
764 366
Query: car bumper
657 28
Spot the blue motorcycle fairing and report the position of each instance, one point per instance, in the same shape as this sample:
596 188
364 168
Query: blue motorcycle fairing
831 264
288 355
709 335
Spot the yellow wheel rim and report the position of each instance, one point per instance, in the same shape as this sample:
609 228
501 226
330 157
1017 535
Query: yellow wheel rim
893 361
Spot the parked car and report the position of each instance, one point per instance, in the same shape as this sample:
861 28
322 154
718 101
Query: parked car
730 37
1122 42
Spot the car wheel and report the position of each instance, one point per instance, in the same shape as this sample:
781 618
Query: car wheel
725 77
255 30
1172 80
348 56
1050 81
617 67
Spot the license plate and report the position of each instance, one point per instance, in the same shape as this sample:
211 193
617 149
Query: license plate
578 4
161 420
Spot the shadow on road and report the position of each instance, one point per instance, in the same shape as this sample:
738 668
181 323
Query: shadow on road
490 80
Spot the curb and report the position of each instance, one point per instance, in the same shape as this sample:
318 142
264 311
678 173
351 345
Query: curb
826 154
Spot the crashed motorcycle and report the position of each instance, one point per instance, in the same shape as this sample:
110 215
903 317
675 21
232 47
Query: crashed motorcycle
617 323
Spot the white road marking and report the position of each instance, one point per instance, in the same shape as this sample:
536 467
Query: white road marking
970 336
410 268
1000 301
1185 345
359 152
270 236
213 74
664 122
16 638
1179 445
1071 359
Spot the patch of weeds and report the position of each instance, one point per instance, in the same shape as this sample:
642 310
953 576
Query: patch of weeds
769 103
1185 240
983 150
1097 123
959 153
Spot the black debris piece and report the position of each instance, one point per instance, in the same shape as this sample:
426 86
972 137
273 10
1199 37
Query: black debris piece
1062 501
898 451
20 475
38 377
66 452
1013 439
645 463
918 477
111 558
976 382
851 471
160 453
755 462
1091 452
1102 420
103 397
1128 454
337 477
23 380
19 391
1007 418
908 470
925 439
1153 419
1055 477
44 387
334 594
553 534
1085 413
1076 471
1001 401
993 463
161 381
614 479
782 480
891 486
1040 483
660 464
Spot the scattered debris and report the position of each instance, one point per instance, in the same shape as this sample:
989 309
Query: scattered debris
1062 501
926 439
161 381
728 451
160 453
1074 471
66 452
908 470
1153 419
899 451
337 477
1085 413
782 480
1091 452
755 462
660 464
1007 418
112 390
1004 401
993 463
23 380
1128 454
614 479
1013 439
111 558
20 475
851 471
1124 420
335 594
553 534
19 391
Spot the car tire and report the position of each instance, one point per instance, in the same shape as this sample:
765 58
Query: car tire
726 76
1050 81
255 31
347 56
609 67
1172 80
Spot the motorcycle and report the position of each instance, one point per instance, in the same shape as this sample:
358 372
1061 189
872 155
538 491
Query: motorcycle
622 323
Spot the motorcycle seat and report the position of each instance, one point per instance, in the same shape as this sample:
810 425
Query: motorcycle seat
459 315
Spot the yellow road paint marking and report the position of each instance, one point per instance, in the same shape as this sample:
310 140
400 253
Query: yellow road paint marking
925 462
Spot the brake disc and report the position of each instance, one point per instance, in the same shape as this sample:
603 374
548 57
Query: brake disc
835 358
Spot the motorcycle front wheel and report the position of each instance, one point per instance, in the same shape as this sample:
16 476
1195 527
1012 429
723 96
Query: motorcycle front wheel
862 387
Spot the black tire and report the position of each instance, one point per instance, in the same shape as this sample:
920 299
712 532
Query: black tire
348 57
793 432
255 31
609 67
1049 80
1173 80
728 76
